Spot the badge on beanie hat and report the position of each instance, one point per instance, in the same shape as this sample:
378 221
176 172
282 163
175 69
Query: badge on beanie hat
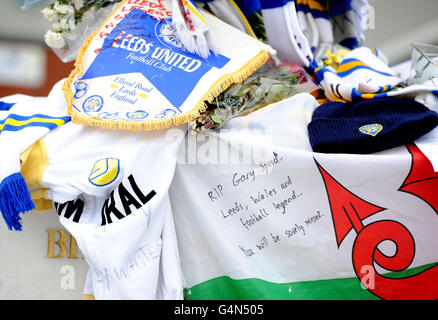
371 129
133 73
369 126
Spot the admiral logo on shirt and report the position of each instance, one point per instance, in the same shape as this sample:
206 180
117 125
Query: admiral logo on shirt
123 200
130 198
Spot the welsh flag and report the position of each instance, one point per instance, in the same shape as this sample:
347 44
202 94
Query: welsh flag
287 223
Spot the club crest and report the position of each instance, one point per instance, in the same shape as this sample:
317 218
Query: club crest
104 172
371 129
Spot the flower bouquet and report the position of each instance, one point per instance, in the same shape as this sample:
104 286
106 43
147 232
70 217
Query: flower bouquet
73 21
270 84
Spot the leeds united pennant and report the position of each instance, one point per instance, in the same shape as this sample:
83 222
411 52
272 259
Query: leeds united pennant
133 74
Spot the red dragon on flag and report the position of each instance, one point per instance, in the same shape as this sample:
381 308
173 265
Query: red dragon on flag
349 211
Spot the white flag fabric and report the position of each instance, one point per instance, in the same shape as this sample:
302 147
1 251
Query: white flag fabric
258 215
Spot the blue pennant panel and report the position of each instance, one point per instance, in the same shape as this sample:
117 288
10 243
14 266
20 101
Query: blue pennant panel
144 44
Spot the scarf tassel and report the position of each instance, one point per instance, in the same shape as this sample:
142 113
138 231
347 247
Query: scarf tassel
201 48
193 41
14 198
184 35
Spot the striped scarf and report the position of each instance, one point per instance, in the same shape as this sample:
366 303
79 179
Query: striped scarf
365 74
284 32
23 121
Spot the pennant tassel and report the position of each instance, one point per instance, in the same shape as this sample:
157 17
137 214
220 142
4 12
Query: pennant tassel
14 198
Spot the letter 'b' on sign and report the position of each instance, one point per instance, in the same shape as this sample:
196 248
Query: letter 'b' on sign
104 172
61 244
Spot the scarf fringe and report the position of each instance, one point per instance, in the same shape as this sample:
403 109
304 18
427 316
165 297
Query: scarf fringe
183 34
201 45
14 198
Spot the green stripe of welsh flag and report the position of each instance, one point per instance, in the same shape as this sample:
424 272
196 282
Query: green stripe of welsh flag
225 288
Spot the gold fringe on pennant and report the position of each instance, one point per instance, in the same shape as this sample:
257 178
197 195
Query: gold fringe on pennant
215 90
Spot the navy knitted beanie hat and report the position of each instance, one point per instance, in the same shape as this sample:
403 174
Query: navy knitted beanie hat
369 126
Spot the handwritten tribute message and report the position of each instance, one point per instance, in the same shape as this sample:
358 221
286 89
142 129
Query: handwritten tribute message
267 197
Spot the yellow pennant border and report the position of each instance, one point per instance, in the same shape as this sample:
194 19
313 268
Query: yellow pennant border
215 90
